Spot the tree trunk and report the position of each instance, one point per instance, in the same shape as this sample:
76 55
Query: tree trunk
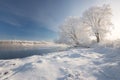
97 37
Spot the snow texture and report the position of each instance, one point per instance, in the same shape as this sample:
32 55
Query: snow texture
74 64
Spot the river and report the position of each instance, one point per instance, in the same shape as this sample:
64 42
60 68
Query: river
25 52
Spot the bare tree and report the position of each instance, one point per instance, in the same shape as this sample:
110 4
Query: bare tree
99 19
72 31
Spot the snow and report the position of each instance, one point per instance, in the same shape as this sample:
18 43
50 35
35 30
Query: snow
74 64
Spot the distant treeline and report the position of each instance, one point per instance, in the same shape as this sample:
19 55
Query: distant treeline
22 42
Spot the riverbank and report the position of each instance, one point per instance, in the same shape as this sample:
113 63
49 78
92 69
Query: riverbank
74 64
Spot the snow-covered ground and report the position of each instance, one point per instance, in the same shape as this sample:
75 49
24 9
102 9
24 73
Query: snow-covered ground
74 64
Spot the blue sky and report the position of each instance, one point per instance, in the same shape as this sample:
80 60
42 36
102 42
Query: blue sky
37 19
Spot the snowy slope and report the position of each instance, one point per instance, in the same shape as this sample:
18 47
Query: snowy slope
75 64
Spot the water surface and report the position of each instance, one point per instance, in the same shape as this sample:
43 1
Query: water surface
21 52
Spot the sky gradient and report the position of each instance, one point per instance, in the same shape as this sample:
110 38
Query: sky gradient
38 19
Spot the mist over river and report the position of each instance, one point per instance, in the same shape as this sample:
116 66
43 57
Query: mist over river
12 51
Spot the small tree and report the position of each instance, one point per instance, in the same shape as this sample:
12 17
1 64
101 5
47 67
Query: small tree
99 19
72 31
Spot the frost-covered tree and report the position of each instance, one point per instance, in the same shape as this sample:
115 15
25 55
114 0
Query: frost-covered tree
72 31
99 19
